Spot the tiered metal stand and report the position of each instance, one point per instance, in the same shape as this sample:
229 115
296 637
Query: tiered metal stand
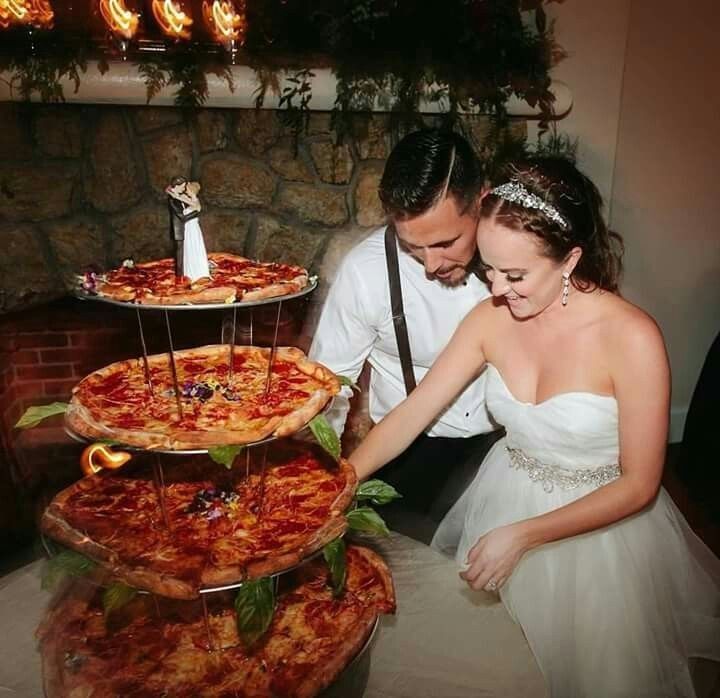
228 333
254 454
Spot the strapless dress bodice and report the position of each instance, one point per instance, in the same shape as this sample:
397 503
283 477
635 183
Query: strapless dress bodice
571 430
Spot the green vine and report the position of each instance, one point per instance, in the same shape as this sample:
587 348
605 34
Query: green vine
454 58
42 72
296 115
187 70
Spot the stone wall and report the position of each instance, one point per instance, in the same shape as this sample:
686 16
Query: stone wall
83 185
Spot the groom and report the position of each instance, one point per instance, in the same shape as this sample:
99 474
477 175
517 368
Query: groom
396 301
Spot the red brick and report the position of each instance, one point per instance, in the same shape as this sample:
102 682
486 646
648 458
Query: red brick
59 388
80 339
60 356
8 343
46 436
27 389
25 357
41 372
38 340
12 414
95 338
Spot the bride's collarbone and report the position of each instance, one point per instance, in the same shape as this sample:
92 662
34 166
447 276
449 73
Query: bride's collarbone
528 385
534 371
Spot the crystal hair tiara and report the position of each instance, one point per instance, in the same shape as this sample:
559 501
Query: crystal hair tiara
516 193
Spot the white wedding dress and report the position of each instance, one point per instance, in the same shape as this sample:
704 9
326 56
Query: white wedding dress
614 612
195 259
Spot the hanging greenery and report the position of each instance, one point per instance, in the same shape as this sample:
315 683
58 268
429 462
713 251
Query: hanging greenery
402 56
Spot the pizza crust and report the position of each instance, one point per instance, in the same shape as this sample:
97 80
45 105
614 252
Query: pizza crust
69 634
54 524
80 419
219 289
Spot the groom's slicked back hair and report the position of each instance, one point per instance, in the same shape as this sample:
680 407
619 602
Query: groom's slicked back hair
425 166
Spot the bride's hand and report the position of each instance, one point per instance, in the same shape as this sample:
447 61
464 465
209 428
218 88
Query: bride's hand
493 558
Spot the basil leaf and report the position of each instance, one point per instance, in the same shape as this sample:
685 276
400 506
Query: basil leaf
367 520
377 492
68 563
344 380
325 435
116 596
254 606
334 554
34 415
225 455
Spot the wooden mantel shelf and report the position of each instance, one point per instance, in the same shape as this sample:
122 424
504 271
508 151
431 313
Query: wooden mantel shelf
123 84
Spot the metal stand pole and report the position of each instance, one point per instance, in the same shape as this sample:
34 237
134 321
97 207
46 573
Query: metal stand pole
146 364
272 350
232 347
261 498
176 385
159 477
206 618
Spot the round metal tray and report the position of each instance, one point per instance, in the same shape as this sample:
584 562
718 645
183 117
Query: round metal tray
311 286
170 452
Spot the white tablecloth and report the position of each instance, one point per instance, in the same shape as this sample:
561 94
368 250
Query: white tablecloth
444 642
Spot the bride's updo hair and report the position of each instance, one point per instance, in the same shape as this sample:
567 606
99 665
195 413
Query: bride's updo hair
560 205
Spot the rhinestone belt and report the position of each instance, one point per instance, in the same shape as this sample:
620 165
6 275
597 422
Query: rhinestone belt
564 478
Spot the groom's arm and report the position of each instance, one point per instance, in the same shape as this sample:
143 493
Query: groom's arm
345 334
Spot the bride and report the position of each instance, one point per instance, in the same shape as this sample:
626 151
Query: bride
566 518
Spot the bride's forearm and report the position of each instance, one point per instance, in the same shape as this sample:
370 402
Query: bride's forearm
459 363
606 505
392 435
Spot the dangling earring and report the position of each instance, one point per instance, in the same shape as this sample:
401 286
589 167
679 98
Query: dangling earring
566 287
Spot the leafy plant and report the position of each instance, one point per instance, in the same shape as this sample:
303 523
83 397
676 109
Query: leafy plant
367 520
344 380
297 114
376 492
334 554
37 413
116 596
65 564
455 57
325 435
187 69
254 606
225 455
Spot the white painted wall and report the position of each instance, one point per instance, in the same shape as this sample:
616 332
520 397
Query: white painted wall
646 111
594 35
666 188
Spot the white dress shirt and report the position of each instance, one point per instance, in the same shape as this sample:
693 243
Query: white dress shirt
356 325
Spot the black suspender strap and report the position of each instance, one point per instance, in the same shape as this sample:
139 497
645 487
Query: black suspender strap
398 313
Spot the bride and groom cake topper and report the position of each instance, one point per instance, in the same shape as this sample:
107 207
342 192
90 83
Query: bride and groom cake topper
191 259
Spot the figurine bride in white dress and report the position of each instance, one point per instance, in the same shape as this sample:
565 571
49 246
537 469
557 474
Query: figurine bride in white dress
194 257
566 518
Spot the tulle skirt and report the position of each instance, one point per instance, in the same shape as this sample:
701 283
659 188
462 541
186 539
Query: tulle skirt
610 613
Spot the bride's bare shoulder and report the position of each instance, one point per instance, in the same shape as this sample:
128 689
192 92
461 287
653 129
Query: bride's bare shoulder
491 308
628 328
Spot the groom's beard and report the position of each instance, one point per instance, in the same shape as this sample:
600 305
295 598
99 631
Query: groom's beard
453 280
